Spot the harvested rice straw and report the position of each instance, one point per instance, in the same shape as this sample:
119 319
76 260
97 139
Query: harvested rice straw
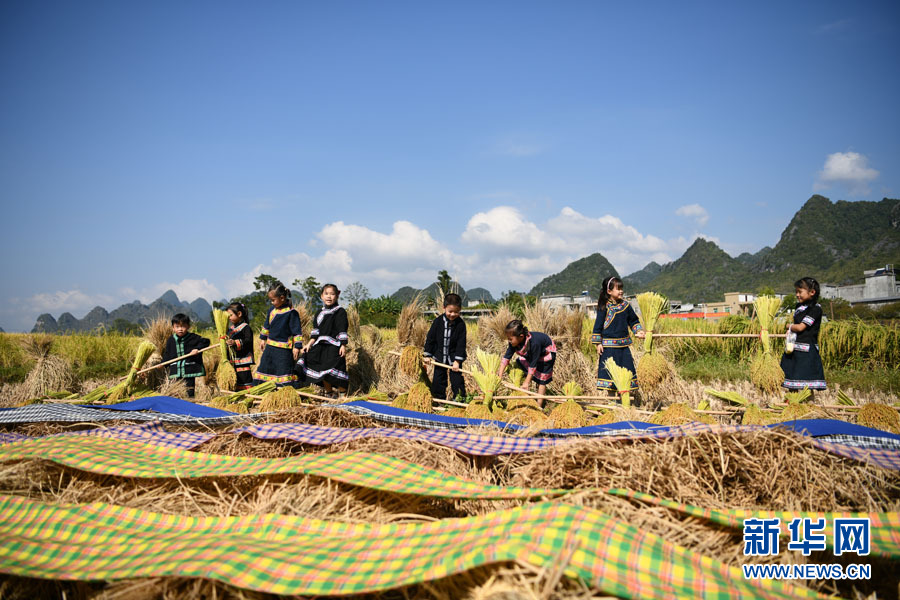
157 332
679 414
622 379
651 306
411 361
486 375
653 368
568 414
419 399
753 414
257 390
280 399
765 372
226 376
122 390
50 372
879 416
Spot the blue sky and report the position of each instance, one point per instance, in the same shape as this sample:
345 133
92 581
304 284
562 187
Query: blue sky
193 145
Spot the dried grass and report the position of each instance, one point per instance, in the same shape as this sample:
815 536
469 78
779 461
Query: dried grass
411 324
157 332
492 329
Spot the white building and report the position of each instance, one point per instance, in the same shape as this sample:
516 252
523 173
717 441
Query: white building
582 302
880 287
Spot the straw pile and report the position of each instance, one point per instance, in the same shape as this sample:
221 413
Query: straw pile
419 399
411 362
492 328
306 315
753 414
765 371
879 416
411 325
679 413
226 376
280 399
50 373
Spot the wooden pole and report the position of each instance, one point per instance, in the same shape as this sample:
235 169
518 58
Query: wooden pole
714 335
176 359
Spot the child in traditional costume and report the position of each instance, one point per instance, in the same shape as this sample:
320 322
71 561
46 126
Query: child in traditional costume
240 344
446 343
185 342
615 322
803 365
325 360
281 340
534 352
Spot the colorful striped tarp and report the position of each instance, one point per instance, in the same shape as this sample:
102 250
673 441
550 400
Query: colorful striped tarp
150 433
294 555
110 456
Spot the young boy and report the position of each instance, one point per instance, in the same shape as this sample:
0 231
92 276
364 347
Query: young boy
446 343
184 342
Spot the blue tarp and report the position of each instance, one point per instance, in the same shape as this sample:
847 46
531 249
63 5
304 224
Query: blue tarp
167 404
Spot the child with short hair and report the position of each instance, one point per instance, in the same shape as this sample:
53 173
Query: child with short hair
615 322
325 362
446 343
280 340
534 352
240 344
184 342
803 366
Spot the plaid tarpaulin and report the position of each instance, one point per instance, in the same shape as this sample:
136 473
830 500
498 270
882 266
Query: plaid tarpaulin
293 555
71 413
109 456
150 433
468 443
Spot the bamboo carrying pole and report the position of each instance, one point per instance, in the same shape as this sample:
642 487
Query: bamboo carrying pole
169 362
714 335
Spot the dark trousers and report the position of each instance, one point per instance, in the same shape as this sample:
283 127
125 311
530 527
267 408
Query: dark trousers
439 383
190 382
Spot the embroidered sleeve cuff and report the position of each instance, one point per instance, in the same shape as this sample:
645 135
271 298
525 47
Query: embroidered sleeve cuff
459 358
264 332
238 344
264 336
596 338
298 341
531 370
503 363
427 354
637 327
809 321
314 333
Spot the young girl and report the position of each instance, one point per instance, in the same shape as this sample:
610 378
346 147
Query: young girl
612 332
535 353
325 363
240 341
803 367
280 339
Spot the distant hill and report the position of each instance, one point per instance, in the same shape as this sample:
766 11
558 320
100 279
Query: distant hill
831 241
481 295
585 273
407 293
643 277
134 312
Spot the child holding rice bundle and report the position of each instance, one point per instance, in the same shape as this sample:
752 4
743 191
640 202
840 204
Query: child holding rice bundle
534 352
240 343
185 342
615 322
803 367
325 363
446 343
280 339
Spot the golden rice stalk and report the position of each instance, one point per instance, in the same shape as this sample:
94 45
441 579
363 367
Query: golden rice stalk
50 373
615 416
879 416
766 373
456 411
281 399
157 332
411 361
226 376
844 399
753 414
792 412
523 414
516 377
374 394
406 323
492 328
219 402
400 401
37 346
798 397
622 379
571 389
485 375
237 407
419 399
306 316
651 306
765 308
478 410
652 370
101 390
123 389
257 390
568 414
354 330
679 414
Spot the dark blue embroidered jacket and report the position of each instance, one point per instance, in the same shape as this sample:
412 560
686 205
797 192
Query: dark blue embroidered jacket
614 325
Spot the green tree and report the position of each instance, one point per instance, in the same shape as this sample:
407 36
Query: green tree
264 281
310 288
445 282
766 290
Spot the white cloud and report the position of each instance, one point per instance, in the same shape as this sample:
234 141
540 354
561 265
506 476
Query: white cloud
850 169
73 301
186 290
694 211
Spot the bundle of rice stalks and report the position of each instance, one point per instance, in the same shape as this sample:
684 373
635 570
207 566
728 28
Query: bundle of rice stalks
492 328
211 360
616 416
281 399
798 397
306 316
456 411
411 362
844 399
651 306
568 414
419 399
622 379
100 392
257 390
374 394
400 401
571 390
50 372
409 324
226 376
753 414
237 407
679 414
486 375
652 371
478 410
516 377
574 326
793 412
157 332
354 330
765 372
879 416
122 390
